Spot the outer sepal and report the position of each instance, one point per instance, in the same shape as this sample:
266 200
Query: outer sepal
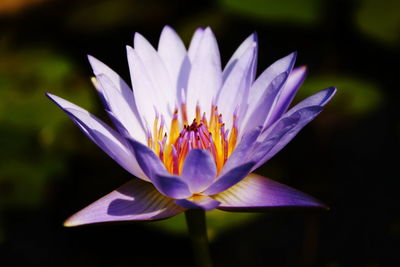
135 200
256 192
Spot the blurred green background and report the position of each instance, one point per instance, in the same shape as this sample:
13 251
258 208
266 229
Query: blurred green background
347 157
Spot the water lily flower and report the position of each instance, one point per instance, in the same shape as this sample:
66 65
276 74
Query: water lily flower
192 133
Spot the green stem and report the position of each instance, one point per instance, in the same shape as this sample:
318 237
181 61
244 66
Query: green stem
196 222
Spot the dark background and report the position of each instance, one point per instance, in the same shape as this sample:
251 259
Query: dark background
348 157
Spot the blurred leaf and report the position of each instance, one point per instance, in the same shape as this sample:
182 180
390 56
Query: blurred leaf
380 19
218 222
23 182
24 78
29 122
355 96
289 11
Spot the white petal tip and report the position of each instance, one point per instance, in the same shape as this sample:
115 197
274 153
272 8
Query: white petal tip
70 222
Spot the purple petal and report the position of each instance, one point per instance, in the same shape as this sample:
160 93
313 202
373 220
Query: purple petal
146 97
117 123
288 133
242 150
304 113
262 82
171 186
182 81
122 109
101 68
249 42
205 77
168 185
157 73
257 192
198 202
135 200
319 99
229 179
147 159
265 143
260 111
99 90
173 53
187 64
293 83
102 135
235 89
195 43
199 170
134 127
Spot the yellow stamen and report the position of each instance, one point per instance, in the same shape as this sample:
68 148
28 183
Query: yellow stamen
155 135
184 114
232 141
201 134
174 132
198 114
160 132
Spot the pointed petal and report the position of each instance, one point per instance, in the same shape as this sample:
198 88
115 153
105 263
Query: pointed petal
158 74
99 90
173 53
168 185
199 170
256 192
244 46
101 68
259 112
242 151
267 141
182 81
319 99
102 135
229 179
301 112
205 76
198 202
122 110
262 82
135 200
171 186
146 97
293 83
195 43
265 92
124 94
283 138
187 64
235 89
147 159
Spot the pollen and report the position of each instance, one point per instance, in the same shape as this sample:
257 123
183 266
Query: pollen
212 135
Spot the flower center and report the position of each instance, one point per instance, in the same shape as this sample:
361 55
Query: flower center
211 135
